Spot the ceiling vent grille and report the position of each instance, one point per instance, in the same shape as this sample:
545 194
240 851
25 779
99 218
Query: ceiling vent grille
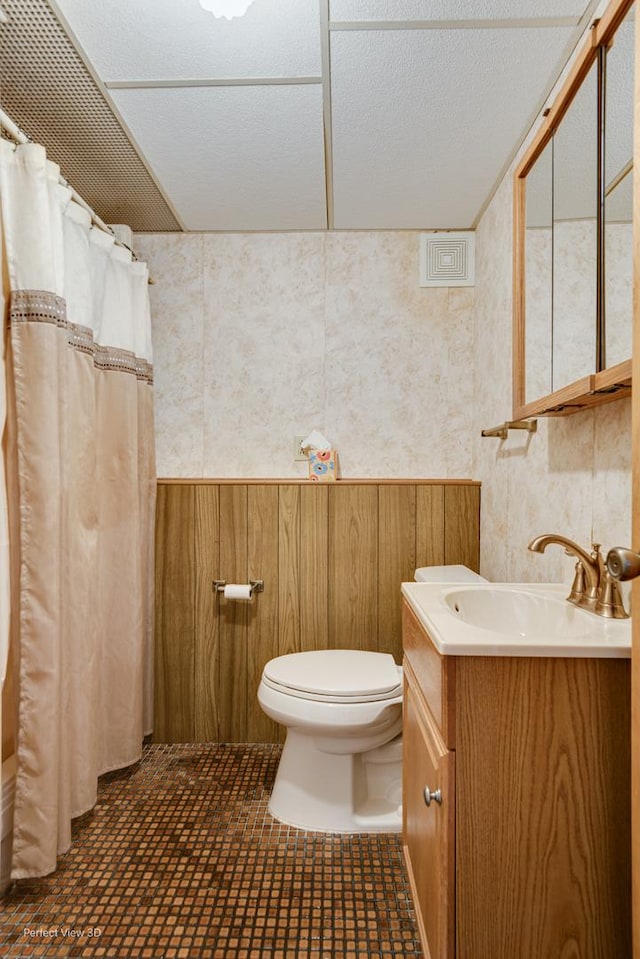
48 91
447 259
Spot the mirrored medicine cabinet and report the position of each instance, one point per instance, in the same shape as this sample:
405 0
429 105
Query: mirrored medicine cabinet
573 205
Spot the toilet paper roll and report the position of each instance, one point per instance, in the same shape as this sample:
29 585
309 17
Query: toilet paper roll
238 591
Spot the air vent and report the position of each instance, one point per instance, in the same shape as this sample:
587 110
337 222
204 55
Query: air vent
46 88
447 259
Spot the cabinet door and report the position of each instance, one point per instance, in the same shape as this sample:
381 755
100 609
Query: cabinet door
428 833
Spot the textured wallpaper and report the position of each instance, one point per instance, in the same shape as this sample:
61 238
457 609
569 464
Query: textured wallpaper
262 337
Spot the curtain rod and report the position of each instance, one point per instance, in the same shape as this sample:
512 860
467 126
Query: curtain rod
21 137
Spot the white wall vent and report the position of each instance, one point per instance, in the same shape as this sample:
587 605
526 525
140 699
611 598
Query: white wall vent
447 259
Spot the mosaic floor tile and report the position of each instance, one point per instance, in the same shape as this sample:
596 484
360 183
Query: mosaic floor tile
180 859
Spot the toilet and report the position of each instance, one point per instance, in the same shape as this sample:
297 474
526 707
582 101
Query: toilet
447 574
341 764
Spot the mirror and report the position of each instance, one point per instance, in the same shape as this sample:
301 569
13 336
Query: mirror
573 275
575 244
539 272
618 193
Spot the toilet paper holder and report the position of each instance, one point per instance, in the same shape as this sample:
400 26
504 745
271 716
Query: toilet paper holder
257 585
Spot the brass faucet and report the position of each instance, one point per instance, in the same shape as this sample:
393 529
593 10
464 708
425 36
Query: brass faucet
593 587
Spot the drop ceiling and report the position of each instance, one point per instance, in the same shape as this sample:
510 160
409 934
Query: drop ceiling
302 115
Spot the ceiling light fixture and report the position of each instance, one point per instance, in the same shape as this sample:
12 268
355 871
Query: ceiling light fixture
226 8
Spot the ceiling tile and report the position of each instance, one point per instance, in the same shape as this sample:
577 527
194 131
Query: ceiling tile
177 39
453 9
234 158
423 121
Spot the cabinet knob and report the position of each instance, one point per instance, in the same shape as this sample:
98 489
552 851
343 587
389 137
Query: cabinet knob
432 796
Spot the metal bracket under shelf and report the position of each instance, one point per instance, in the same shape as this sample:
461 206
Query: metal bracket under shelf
502 431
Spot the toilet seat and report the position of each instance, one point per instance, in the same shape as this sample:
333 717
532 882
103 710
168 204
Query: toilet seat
335 676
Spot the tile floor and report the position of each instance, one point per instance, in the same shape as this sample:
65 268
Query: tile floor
180 858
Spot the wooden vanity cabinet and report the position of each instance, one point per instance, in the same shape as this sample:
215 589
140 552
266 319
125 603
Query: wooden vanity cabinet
527 855
429 840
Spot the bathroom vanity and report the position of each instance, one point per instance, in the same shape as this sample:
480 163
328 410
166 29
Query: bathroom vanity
517 821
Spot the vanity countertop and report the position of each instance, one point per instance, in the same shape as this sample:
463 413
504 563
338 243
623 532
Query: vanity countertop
520 630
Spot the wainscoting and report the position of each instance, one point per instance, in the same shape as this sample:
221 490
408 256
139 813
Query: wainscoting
332 558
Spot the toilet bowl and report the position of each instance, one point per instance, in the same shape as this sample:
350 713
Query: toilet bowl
341 764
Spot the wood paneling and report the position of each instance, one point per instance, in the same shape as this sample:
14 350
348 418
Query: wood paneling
332 558
288 639
353 567
429 525
262 561
231 668
207 621
396 561
462 526
174 614
314 567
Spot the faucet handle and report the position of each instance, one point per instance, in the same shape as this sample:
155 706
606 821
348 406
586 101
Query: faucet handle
623 564
610 601
579 584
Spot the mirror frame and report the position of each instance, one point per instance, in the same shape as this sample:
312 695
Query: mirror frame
603 385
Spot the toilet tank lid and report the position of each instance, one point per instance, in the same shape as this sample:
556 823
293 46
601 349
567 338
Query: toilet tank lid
336 672
447 574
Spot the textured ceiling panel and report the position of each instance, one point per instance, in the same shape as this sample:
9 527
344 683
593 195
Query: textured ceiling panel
452 9
420 123
47 90
149 39
235 158
424 120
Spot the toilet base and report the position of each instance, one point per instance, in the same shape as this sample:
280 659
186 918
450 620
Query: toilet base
328 792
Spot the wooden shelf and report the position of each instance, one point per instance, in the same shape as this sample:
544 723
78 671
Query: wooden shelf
305 481
590 391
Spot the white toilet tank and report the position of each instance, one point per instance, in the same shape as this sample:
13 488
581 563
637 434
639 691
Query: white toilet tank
447 574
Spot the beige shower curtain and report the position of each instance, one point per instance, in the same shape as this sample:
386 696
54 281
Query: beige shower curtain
5 582
80 358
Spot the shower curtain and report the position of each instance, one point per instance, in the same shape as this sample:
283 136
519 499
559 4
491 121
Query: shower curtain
81 484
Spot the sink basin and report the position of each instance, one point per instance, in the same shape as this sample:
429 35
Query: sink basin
513 619
518 613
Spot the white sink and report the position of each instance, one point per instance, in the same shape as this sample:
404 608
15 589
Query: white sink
518 613
513 619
